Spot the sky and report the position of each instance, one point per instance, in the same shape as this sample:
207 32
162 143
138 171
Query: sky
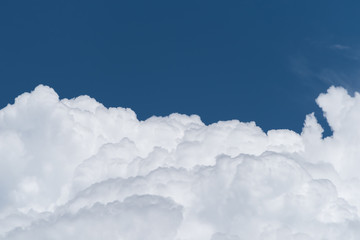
179 120
252 60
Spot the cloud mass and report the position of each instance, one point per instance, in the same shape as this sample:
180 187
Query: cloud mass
74 169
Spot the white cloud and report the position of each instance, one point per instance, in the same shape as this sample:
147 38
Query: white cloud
73 169
339 47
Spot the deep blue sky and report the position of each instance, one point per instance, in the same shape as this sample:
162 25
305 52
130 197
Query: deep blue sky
247 59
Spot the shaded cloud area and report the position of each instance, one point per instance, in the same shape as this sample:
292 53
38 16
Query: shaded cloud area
73 169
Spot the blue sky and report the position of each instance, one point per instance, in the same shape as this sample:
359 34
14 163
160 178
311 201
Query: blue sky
265 61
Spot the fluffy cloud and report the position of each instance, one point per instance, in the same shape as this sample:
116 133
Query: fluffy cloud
73 169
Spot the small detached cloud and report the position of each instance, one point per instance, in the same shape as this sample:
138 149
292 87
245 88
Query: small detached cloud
74 169
340 47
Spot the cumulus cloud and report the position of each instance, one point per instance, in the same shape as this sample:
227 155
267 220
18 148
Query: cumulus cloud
74 169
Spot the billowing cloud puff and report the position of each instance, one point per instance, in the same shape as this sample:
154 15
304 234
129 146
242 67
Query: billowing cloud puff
73 169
